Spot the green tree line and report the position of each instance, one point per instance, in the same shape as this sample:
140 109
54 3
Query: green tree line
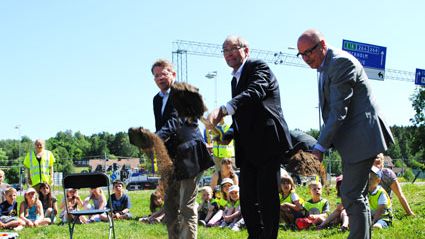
408 150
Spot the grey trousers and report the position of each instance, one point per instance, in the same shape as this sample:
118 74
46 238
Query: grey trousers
181 216
354 189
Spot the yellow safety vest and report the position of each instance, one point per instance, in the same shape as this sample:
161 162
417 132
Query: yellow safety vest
318 206
387 215
289 200
39 172
220 150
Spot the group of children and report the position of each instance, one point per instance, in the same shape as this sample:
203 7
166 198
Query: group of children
299 214
219 207
40 208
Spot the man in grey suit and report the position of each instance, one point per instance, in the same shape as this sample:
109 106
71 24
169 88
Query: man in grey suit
352 123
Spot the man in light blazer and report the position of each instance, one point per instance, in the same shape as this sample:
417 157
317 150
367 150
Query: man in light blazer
260 136
352 124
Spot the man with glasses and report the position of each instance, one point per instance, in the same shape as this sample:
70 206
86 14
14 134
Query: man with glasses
260 136
352 124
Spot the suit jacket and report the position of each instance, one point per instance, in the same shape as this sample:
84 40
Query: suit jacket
352 123
169 111
161 120
190 155
260 131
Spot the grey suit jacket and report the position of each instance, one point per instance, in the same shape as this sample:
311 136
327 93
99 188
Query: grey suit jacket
352 123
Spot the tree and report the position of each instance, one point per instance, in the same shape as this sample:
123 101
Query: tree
418 103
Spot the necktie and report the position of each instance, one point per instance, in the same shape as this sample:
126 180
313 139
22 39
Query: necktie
233 86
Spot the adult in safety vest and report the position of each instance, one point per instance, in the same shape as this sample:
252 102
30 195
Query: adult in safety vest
40 165
220 151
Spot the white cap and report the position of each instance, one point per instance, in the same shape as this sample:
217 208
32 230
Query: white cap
226 180
234 188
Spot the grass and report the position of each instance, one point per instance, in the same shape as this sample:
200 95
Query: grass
403 227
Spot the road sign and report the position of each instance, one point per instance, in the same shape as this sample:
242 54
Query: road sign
372 57
420 77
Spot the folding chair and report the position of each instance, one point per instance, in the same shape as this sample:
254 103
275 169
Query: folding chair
88 180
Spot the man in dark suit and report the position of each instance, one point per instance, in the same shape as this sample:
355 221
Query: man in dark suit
260 133
164 76
352 123
179 202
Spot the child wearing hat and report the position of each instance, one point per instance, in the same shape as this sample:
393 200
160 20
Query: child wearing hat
119 201
226 183
232 214
31 210
379 201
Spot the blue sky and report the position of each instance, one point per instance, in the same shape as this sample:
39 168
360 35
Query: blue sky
84 65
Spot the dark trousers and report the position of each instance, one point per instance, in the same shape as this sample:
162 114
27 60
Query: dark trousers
259 198
354 189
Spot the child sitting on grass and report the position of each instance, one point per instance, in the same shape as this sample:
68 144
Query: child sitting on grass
120 203
206 198
226 183
73 203
232 217
317 208
339 215
98 202
9 212
156 207
379 201
3 187
291 205
49 202
31 210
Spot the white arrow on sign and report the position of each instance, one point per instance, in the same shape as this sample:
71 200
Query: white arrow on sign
382 57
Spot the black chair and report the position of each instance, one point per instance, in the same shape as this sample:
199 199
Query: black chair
88 180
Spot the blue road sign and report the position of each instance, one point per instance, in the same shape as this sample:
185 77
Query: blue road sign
372 57
420 77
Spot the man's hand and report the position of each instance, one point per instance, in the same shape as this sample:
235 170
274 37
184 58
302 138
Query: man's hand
318 155
215 116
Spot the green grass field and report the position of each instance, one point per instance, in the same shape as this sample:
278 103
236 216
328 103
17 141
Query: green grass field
403 227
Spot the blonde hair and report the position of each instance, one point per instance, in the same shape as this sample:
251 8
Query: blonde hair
314 183
1 172
10 190
288 179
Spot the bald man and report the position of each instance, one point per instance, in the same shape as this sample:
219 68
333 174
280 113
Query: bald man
352 124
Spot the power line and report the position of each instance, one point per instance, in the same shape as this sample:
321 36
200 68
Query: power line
181 48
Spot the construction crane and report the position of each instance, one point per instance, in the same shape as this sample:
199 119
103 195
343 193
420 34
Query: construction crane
182 48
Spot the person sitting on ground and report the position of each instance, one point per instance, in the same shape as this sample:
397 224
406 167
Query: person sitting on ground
156 207
49 202
74 202
291 205
120 203
232 216
99 202
206 197
226 171
339 215
390 183
317 208
9 212
226 183
3 186
217 203
379 201
31 210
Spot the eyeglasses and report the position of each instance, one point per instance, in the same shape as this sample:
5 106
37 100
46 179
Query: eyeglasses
308 51
232 49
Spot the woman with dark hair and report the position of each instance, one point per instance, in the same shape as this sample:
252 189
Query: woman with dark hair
226 171
49 202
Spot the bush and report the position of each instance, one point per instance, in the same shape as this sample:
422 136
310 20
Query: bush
408 174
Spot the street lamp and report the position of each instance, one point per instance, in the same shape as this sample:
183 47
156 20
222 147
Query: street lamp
213 75
18 128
